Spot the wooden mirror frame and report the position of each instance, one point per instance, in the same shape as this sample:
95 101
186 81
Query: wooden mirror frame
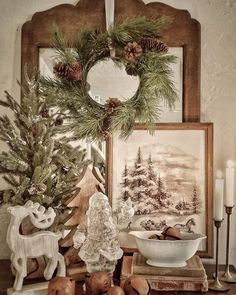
182 32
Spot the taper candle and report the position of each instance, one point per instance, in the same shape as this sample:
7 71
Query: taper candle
218 196
229 185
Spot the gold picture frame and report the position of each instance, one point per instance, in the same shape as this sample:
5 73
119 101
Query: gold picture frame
181 157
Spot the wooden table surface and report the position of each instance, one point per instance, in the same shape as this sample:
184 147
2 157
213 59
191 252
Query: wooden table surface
6 281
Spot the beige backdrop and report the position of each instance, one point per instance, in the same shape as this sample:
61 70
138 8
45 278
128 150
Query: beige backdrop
218 72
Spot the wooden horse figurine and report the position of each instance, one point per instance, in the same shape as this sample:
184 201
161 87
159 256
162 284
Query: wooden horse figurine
41 243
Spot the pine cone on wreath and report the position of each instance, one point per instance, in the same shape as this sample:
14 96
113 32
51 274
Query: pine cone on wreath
75 72
65 71
153 44
61 70
131 69
111 104
105 134
132 51
106 126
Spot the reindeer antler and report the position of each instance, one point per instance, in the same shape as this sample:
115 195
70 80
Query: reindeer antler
39 216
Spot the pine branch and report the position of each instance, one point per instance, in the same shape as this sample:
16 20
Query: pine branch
134 29
64 49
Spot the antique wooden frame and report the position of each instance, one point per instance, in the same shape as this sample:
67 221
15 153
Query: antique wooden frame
207 167
182 32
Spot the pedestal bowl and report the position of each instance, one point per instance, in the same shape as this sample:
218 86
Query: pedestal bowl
167 253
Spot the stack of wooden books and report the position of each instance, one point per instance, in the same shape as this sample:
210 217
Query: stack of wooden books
191 277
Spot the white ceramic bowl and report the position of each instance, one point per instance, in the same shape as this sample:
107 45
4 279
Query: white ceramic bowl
167 253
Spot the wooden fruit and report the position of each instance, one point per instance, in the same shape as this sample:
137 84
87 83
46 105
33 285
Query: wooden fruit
171 233
97 283
136 285
61 286
116 290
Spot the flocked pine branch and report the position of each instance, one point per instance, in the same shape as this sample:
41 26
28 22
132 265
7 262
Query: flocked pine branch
37 165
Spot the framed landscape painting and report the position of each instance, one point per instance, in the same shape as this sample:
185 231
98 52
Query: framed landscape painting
168 178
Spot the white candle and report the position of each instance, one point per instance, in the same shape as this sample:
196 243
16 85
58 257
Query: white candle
218 196
229 185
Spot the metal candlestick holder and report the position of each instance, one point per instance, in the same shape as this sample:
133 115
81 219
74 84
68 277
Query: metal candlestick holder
216 284
227 276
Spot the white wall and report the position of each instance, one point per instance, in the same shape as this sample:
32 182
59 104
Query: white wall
218 72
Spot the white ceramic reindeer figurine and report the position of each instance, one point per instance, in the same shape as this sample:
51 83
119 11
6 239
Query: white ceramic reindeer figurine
41 243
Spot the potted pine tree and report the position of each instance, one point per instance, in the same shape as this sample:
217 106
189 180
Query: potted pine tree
39 165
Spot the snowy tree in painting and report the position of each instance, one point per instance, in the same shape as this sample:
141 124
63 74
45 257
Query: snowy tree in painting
125 184
143 184
196 203
139 179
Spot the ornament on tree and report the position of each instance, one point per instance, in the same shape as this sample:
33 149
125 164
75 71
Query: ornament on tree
153 44
71 72
111 105
101 248
45 113
132 51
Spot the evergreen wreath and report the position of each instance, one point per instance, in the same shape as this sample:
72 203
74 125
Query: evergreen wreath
137 46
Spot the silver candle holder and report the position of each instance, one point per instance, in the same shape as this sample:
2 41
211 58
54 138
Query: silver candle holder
216 284
227 276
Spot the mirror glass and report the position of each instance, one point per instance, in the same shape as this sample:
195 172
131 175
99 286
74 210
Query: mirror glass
107 79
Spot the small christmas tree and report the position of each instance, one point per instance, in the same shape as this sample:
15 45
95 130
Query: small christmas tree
37 166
